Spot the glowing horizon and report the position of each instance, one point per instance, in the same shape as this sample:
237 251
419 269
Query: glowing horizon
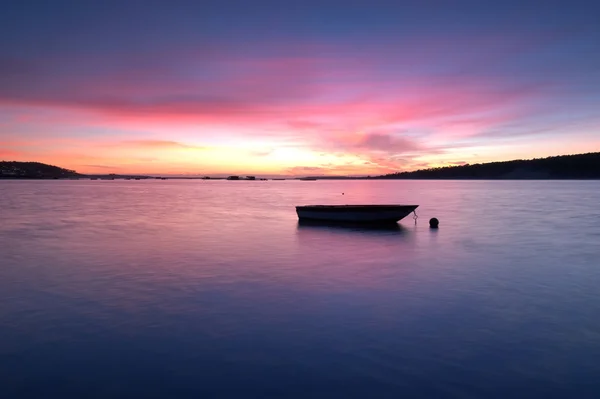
363 91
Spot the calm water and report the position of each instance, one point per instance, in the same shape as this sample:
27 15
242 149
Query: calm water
200 289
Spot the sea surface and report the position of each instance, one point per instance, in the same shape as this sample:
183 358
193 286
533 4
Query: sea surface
211 289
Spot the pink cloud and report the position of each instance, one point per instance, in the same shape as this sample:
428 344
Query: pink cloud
321 97
10 154
101 167
387 143
158 144
222 86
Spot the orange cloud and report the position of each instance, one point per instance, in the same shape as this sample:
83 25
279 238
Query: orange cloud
10 154
384 109
155 144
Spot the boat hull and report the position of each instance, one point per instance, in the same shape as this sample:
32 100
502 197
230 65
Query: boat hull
355 213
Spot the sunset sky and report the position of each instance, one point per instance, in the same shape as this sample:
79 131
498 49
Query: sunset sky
296 88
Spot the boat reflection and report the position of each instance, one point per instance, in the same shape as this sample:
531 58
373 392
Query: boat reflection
388 228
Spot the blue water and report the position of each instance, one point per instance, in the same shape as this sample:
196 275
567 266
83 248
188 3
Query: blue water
202 289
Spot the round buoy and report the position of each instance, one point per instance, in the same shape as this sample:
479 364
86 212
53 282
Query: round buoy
433 223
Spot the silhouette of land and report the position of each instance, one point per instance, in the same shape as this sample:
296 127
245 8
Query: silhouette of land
34 170
580 166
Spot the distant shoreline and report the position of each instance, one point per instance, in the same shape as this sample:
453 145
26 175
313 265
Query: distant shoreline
298 179
563 167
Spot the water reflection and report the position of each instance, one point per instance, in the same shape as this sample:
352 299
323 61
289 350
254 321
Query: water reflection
394 228
203 301
343 243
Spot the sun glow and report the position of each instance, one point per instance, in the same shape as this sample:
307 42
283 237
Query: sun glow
297 106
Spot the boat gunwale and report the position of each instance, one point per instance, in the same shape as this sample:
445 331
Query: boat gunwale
355 208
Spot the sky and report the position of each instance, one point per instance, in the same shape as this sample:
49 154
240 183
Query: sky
323 87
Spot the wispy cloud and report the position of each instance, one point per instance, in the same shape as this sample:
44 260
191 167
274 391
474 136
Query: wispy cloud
155 144
388 101
10 154
100 167
387 143
262 153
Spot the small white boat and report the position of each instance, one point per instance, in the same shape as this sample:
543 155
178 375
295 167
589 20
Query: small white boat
355 213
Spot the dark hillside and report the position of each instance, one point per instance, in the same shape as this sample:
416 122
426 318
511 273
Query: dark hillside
581 166
33 170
